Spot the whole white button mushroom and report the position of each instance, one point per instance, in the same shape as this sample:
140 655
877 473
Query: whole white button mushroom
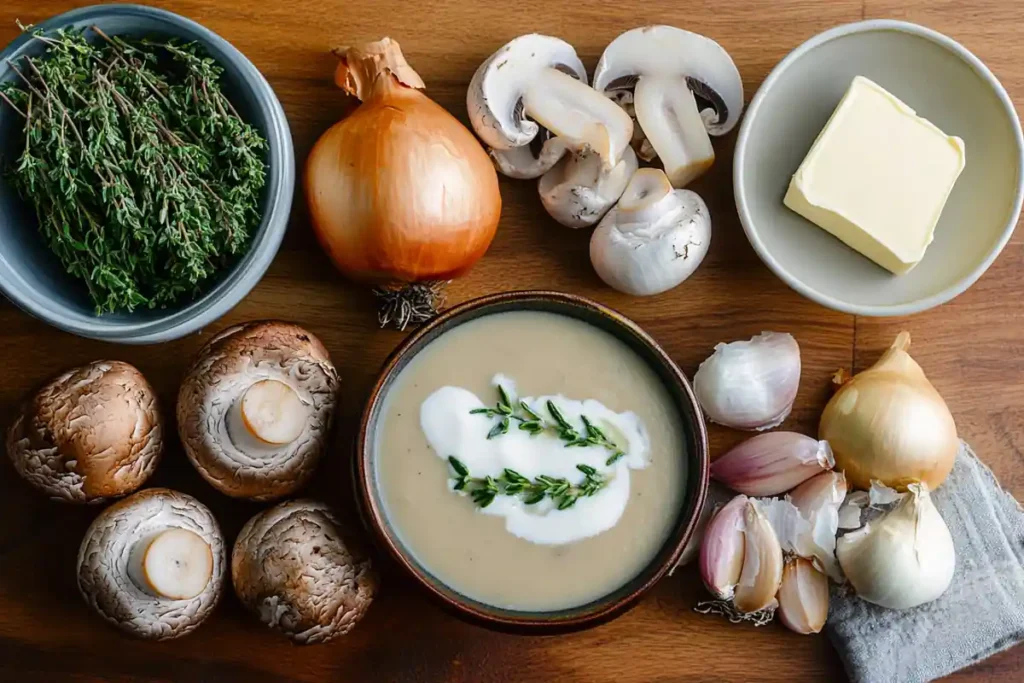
653 239
681 87
256 407
153 564
95 432
295 569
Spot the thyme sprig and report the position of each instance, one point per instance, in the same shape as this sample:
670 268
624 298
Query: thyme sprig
530 421
145 181
483 490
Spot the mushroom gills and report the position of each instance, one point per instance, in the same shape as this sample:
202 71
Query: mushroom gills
669 115
176 564
578 114
269 413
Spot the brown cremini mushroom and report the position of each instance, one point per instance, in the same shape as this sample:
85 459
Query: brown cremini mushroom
294 568
153 564
255 409
92 433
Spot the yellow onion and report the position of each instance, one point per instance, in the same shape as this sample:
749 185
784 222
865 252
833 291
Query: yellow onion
889 424
401 195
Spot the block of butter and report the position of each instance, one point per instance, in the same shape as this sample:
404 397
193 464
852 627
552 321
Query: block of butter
878 177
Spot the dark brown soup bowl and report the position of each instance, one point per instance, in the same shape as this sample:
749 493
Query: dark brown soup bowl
597 611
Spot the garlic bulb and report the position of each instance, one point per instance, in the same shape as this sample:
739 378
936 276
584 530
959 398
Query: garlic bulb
581 188
803 597
773 463
653 239
889 423
750 384
903 559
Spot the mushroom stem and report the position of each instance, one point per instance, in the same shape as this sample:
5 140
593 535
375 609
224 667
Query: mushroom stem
645 198
670 117
174 563
270 413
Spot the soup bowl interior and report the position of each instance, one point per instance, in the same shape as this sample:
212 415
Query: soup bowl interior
695 468
33 278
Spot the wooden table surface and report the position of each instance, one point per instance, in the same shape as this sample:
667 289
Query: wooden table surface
972 349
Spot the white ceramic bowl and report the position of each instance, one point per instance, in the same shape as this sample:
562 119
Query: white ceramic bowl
945 84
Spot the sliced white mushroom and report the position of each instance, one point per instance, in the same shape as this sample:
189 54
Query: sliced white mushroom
685 86
580 189
528 162
153 564
653 239
93 433
535 81
255 409
295 568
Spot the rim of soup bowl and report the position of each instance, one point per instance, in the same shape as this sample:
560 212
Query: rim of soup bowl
608 606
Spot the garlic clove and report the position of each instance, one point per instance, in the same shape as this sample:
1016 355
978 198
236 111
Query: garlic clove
803 597
771 464
750 384
717 497
818 499
722 550
904 558
762 562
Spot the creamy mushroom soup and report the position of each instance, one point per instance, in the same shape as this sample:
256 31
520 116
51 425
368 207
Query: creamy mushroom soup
530 461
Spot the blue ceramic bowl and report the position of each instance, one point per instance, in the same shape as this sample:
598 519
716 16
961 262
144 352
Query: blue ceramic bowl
33 278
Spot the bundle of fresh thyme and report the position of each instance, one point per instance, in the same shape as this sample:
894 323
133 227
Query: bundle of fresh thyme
483 490
145 180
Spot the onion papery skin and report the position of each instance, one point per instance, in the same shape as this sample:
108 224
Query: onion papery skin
889 424
401 192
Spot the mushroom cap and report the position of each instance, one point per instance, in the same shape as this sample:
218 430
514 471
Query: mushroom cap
92 433
103 564
667 51
225 368
495 94
295 568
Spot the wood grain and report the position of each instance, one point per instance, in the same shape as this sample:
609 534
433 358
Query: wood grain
973 349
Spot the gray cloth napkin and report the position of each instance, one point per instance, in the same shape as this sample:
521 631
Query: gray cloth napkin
981 613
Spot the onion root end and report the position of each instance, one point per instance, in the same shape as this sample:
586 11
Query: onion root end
411 303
